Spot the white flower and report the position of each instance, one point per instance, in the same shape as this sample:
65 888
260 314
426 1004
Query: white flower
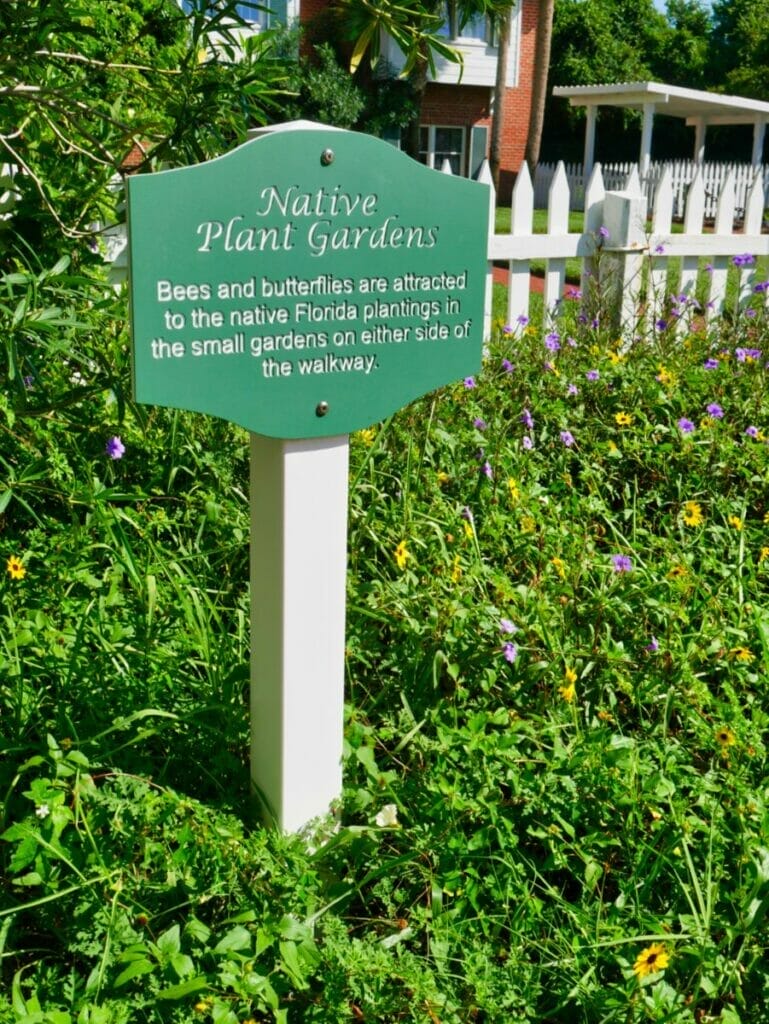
387 817
42 811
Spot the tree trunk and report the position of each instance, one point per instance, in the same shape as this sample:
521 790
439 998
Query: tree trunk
418 82
539 84
500 92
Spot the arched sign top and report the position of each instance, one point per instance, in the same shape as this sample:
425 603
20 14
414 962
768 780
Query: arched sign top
306 284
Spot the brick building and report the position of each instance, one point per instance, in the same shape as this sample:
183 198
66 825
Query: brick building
456 112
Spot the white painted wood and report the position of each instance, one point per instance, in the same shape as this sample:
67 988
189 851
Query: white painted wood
595 193
625 220
700 128
521 220
759 131
647 128
589 157
693 219
484 177
724 225
298 568
662 223
557 224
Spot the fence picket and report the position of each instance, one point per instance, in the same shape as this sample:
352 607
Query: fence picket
521 218
557 224
724 224
662 223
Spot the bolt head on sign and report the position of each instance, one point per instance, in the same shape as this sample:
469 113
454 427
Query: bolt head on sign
306 284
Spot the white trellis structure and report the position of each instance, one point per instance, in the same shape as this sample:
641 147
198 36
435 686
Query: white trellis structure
618 237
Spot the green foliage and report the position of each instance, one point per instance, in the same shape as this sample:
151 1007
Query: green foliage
82 83
555 762
325 91
741 45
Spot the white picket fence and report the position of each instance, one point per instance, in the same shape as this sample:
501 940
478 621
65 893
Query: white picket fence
682 174
619 237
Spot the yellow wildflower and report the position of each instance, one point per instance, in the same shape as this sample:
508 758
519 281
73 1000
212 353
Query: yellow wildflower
559 566
456 571
665 376
367 436
677 571
570 676
742 654
763 555
512 487
468 528
623 419
443 477
15 569
569 693
734 521
650 960
614 357
766 517
725 737
528 524
401 555
692 514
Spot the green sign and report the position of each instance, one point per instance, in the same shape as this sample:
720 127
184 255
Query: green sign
306 284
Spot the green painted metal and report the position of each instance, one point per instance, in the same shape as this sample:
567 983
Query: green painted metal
306 284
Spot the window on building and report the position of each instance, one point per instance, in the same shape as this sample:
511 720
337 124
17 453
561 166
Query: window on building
464 148
476 27
438 143
247 11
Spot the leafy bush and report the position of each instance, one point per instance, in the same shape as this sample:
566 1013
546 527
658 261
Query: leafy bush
555 793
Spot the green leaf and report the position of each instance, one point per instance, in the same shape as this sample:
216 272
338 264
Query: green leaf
184 988
134 970
236 940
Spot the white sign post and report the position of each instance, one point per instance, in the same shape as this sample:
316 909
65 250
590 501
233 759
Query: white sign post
298 575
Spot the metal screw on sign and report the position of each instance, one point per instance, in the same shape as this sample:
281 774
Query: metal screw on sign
321 408
327 157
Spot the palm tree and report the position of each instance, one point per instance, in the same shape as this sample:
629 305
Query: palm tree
539 84
413 25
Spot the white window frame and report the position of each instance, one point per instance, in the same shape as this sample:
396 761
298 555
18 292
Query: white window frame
430 153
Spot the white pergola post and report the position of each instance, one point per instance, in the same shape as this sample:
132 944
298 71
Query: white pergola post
645 156
591 112
298 573
759 130
700 128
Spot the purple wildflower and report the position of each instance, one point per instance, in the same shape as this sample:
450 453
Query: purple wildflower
592 375
527 419
747 355
751 431
652 647
527 443
715 411
761 287
567 437
572 389
659 249
685 426
479 423
506 626
507 329
621 563
661 324
509 652
469 382
115 448
573 293
553 342
507 366
744 259
603 232
711 364
522 320
467 514
487 470
750 313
